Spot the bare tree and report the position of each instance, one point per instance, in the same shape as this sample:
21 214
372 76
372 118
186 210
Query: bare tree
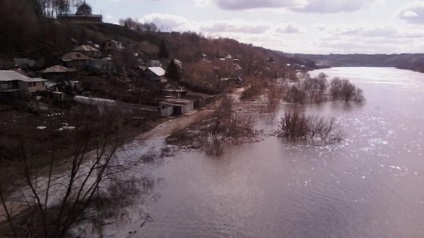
295 126
295 94
345 90
315 88
50 205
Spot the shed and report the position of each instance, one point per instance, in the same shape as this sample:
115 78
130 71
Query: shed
175 107
156 74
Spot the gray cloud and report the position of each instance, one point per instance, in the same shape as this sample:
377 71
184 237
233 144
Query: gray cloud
333 6
373 31
316 6
252 4
289 28
412 12
169 22
236 26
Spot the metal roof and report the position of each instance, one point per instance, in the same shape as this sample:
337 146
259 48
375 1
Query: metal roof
157 70
74 56
85 48
10 75
36 80
176 101
58 69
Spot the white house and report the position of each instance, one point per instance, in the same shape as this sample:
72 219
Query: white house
12 81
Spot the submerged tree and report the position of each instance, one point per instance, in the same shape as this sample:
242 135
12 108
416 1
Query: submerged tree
227 125
343 89
296 126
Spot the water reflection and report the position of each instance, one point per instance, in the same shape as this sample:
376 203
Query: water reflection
370 185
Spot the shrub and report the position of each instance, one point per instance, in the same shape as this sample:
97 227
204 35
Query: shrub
295 95
315 88
345 90
295 126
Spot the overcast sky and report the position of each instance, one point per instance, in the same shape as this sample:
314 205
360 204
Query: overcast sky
294 26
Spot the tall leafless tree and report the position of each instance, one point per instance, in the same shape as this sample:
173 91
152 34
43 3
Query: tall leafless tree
49 205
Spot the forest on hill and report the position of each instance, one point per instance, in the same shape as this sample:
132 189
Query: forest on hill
403 61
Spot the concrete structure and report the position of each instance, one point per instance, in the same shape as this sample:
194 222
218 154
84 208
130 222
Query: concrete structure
176 93
96 101
175 107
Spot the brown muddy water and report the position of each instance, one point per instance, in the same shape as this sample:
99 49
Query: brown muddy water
369 185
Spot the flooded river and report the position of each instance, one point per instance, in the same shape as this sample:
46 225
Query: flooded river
369 185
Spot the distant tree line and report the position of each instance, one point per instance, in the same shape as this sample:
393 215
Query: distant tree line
134 25
50 8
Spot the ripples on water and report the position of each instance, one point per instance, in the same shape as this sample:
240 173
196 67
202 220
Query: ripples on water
370 185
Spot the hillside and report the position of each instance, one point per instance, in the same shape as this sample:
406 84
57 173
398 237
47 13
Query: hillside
38 37
403 61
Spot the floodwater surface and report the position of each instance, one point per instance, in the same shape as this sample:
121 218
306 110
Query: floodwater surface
369 185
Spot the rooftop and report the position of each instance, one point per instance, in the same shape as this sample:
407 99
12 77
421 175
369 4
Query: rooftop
74 56
176 101
85 48
157 70
58 69
10 75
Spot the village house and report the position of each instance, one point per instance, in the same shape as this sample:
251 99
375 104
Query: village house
155 74
175 107
12 81
104 65
33 85
76 60
58 72
88 50
112 45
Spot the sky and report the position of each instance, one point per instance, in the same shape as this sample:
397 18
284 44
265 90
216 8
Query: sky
292 26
